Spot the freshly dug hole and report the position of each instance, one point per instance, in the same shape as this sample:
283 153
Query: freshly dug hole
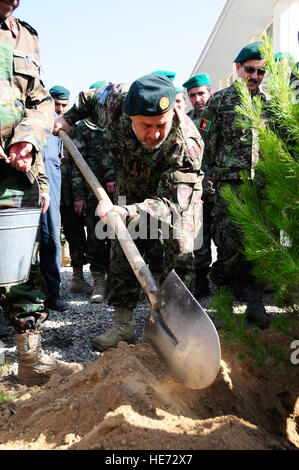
127 400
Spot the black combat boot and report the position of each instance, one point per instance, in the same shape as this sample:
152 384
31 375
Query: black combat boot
79 285
57 304
240 292
255 311
202 287
4 331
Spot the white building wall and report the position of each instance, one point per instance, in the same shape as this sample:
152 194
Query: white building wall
286 27
242 22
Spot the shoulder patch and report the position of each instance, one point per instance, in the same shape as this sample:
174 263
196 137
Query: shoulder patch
205 125
206 122
28 27
102 93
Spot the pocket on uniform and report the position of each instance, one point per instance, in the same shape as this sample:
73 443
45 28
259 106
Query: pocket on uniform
25 64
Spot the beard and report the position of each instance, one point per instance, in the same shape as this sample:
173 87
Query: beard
151 148
198 108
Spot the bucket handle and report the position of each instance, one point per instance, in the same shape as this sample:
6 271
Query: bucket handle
36 180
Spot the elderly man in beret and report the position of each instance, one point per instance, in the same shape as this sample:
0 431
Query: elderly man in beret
199 91
228 151
157 151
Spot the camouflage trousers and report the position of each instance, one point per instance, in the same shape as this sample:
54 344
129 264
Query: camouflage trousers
25 299
85 247
203 256
123 287
26 302
73 230
162 255
231 267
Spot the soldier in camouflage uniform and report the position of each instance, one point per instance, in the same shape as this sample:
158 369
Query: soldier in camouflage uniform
199 91
157 152
89 139
27 115
229 150
73 227
73 224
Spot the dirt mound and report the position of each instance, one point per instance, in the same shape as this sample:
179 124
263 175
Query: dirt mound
127 400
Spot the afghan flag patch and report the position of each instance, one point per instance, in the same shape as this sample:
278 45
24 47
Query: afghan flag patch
205 125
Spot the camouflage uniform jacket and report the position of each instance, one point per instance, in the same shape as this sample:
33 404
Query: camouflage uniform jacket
142 173
228 148
207 181
27 110
90 141
194 117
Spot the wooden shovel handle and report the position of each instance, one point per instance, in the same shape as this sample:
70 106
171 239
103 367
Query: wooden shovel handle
132 253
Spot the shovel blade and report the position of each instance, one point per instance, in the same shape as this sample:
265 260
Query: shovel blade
183 335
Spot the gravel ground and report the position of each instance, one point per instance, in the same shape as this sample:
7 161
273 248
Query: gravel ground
67 335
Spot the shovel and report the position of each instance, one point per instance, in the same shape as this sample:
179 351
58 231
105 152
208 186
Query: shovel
177 327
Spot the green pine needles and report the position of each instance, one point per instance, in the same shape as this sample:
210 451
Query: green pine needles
252 346
267 207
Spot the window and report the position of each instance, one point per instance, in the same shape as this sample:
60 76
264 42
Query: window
269 31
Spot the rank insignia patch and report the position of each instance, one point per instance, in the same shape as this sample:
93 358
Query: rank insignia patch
164 103
205 125
13 28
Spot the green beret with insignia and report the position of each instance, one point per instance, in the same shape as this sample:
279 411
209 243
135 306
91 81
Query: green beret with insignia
249 52
98 84
200 79
151 95
59 92
170 75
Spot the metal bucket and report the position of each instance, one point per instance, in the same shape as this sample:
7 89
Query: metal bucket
18 231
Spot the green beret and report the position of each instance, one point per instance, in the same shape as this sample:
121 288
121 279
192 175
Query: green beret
98 84
59 92
198 80
170 75
151 95
250 52
179 90
280 55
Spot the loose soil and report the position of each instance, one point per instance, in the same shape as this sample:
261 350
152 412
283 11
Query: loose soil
127 400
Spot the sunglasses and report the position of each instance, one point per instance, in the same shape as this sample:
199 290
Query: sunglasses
251 70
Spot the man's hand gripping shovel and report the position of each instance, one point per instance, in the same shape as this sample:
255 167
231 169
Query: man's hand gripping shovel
177 327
